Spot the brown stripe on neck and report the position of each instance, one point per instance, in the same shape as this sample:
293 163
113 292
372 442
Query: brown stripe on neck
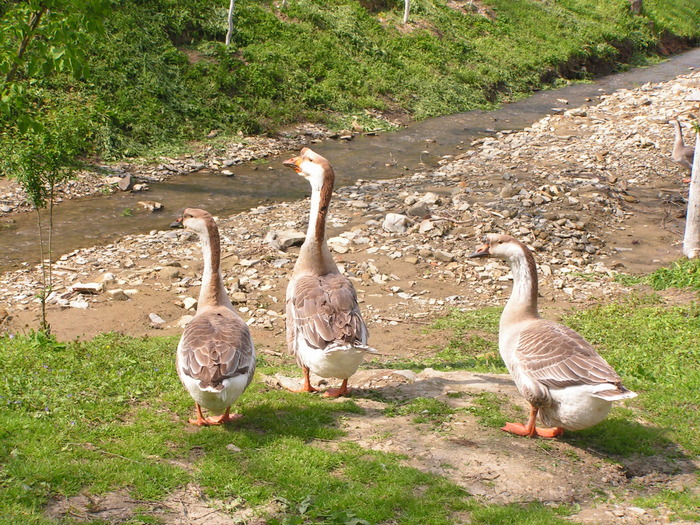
324 204
532 272
214 284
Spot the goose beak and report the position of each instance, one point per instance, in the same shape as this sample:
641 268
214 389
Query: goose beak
481 251
177 223
293 163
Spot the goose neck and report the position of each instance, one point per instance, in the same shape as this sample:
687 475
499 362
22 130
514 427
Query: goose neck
522 303
315 256
213 291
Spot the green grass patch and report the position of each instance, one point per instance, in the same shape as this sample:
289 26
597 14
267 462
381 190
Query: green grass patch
472 345
684 273
337 63
424 410
109 414
655 349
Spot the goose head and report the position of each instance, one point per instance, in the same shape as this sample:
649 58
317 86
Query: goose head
313 167
499 246
196 220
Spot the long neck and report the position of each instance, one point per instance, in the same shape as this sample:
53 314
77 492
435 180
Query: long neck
523 299
314 255
679 135
213 292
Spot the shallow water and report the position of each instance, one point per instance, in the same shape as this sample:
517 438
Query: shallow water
103 219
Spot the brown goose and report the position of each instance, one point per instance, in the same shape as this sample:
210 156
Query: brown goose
325 330
682 154
215 357
557 371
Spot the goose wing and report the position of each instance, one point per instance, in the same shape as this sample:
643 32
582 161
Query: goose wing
324 310
556 356
216 346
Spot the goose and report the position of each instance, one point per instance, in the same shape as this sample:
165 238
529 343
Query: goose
215 356
555 369
325 330
682 154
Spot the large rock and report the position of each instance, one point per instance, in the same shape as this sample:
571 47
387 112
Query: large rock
283 239
395 223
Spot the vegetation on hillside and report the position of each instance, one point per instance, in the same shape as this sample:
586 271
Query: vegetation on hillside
160 74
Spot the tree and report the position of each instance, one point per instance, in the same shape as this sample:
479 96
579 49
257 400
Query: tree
406 10
40 144
229 33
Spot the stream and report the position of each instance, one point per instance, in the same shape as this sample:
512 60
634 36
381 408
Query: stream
98 220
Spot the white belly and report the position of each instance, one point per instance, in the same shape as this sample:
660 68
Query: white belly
573 408
333 361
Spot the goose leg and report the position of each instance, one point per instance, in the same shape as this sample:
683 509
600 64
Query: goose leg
337 392
200 421
530 429
307 382
226 417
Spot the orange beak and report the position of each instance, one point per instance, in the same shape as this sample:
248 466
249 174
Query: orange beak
293 163
481 251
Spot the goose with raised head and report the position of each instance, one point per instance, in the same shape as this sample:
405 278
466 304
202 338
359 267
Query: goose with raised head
215 356
681 154
556 370
325 330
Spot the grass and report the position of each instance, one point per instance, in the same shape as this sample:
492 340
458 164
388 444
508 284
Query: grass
339 62
681 274
108 414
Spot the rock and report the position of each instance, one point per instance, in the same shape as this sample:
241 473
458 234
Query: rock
107 278
238 297
189 303
227 173
171 273
79 303
419 209
233 448
395 223
156 320
425 226
89 288
443 256
118 295
151 205
139 187
281 240
125 182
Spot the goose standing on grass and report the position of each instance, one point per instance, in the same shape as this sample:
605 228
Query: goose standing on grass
557 371
682 154
215 357
325 330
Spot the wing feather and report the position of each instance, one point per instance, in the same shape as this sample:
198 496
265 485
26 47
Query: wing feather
216 346
557 356
324 310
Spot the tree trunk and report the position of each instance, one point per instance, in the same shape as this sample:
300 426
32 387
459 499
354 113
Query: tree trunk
230 22
406 9
691 240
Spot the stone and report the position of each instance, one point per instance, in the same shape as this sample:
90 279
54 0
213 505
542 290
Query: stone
156 319
189 303
118 295
395 223
238 297
89 288
151 206
444 256
171 273
125 183
284 239
419 209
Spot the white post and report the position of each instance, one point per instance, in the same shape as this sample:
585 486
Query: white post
691 240
230 22
406 9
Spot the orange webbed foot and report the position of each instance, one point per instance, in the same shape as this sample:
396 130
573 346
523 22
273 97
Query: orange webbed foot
521 430
222 419
337 392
